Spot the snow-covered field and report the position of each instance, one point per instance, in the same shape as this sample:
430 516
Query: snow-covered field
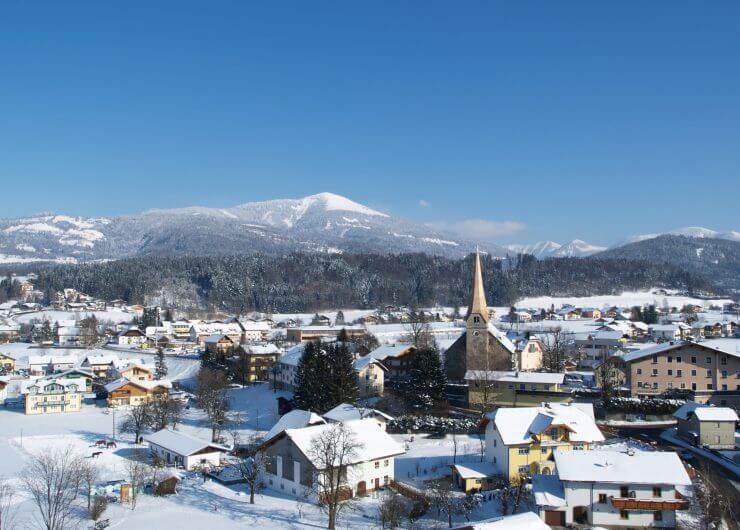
115 316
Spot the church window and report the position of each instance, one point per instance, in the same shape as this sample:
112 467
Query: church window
476 320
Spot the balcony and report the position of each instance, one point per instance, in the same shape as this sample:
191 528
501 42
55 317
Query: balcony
631 503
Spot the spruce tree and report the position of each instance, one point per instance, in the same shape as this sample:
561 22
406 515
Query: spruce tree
311 379
343 377
160 366
427 381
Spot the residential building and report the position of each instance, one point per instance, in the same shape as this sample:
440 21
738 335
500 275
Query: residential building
133 336
529 349
183 450
706 426
220 344
7 363
134 371
397 358
710 370
322 332
100 365
123 392
612 489
521 441
255 362
293 469
515 389
284 372
596 346
370 377
472 477
345 412
53 396
295 419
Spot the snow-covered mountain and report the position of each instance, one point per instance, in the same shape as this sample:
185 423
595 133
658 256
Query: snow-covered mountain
688 231
318 223
551 249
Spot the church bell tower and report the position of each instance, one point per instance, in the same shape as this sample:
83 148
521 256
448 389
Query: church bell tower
476 321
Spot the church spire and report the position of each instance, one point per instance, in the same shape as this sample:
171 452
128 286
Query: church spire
478 303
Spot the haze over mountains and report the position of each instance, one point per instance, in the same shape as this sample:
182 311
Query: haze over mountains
325 222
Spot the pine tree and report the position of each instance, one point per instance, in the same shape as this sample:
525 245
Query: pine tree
160 366
343 377
427 381
311 392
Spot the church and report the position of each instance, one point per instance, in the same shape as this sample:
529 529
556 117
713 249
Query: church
482 346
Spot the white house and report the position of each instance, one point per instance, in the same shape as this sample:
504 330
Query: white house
295 419
69 335
133 336
183 450
293 470
345 412
630 489
283 374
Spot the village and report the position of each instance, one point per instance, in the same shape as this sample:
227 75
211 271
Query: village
536 416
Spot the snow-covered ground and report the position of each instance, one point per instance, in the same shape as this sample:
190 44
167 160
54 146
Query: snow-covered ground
115 316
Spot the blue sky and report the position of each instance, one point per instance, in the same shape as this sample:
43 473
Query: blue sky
545 120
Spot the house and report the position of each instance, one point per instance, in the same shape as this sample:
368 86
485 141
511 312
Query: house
183 450
53 396
612 489
292 469
62 363
295 419
9 332
529 350
100 365
77 374
133 371
569 313
181 329
256 331
255 362
219 344
123 392
397 358
320 332
7 363
38 365
133 336
284 372
515 389
708 369
370 377
201 332
706 426
346 412
590 312
664 332
520 521
69 336
596 346
521 441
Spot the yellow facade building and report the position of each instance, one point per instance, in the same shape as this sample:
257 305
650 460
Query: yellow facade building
54 396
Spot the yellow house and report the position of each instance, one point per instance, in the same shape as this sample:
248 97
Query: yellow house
472 477
7 363
50 396
136 372
514 389
521 441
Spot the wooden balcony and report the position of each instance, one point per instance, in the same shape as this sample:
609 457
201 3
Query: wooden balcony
622 503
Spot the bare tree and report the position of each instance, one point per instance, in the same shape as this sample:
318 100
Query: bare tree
52 480
715 506
253 466
164 413
234 425
443 498
89 476
137 420
393 511
99 505
419 330
213 399
332 452
137 471
554 355
7 511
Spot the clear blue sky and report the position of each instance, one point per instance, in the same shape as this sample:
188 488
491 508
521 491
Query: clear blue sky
577 119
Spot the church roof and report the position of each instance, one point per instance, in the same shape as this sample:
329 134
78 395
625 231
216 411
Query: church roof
478 303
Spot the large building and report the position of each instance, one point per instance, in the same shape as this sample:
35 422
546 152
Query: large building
54 396
515 389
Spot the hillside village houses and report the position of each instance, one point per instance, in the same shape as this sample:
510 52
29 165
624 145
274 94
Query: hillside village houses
612 489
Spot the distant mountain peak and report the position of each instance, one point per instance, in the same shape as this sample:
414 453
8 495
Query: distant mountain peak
688 231
550 249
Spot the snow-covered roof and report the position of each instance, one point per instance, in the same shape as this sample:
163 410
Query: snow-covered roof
728 346
262 349
628 467
705 412
501 337
515 377
374 443
293 356
347 412
389 350
79 382
548 490
181 443
362 363
100 359
147 385
212 339
475 469
598 335
520 521
518 425
295 419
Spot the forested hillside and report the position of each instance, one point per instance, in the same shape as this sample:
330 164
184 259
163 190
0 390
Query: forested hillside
308 282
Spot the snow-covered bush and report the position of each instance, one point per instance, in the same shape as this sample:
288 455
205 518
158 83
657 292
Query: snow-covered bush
431 424
646 405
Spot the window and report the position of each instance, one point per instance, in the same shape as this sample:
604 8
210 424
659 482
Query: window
524 450
639 371
657 492
723 360
670 372
523 470
658 516
693 373
655 385
724 387
385 463
655 372
624 514
521 386
476 320
670 359
377 464
624 491
709 373
679 373
683 385
724 373
670 384
693 360
494 443
693 386
709 386
639 384
602 498
678 358
655 359
709 360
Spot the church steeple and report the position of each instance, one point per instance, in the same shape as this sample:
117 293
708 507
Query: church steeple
478 305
